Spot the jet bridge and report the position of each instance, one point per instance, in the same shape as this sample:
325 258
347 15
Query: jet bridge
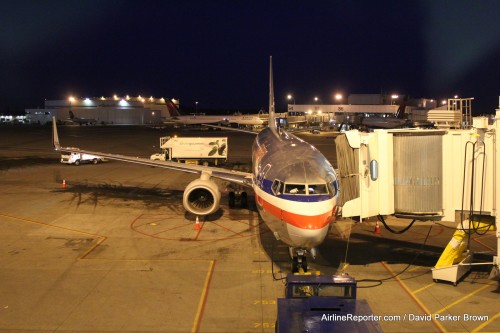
425 174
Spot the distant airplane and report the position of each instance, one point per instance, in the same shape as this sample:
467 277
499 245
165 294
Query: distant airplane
295 186
81 121
197 119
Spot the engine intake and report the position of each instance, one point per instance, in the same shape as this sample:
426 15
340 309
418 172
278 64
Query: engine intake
201 196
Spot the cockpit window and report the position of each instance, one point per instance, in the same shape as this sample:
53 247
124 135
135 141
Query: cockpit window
333 187
277 187
317 189
295 188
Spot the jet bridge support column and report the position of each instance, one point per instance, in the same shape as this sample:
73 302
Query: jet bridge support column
495 273
455 261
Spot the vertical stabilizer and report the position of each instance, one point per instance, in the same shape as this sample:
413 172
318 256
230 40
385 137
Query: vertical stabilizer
272 115
55 136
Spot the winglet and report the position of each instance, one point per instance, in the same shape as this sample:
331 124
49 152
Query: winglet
55 136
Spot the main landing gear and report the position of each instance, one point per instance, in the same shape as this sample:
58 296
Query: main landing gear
299 259
238 199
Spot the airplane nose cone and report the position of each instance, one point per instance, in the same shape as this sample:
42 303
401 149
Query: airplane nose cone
307 238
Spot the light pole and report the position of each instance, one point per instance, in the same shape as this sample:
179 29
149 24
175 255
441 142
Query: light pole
196 103
290 97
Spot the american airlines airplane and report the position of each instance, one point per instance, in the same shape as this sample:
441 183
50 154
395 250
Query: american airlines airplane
295 186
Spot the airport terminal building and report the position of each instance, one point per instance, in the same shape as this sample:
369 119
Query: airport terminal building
114 110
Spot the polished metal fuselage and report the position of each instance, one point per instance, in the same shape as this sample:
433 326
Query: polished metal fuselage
298 220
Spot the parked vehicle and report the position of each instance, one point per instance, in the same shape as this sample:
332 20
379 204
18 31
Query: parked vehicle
77 158
198 150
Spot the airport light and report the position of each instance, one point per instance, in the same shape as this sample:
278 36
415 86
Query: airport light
443 102
196 106
338 97
316 99
290 97
393 97
71 99
115 97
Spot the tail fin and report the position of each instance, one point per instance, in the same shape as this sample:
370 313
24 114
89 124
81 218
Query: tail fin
55 136
272 115
71 115
172 109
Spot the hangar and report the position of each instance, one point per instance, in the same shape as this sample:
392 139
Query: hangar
115 110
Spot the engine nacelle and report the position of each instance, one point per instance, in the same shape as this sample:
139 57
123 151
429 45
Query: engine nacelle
201 196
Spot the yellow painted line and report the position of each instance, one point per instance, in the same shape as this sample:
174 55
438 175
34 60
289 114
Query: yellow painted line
465 297
49 225
424 287
414 268
486 323
203 298
415 298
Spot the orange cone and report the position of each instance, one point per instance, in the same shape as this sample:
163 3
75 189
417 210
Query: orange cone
197 224
63 184
377 228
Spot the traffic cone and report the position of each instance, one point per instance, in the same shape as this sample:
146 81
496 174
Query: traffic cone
197 224
377 229
63 184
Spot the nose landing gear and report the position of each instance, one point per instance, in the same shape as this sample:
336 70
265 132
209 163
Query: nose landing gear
299 259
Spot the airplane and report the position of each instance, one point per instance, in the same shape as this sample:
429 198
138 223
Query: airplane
197 119
295 186
81 121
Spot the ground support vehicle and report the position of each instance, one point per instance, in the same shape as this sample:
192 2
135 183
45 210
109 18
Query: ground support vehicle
198 150
77 158
324 303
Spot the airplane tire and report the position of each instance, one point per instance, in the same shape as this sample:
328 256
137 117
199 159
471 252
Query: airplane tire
244 200
77 162
295 264
232 199
94 161
304 263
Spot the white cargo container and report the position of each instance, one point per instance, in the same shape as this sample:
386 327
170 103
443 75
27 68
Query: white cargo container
198 150
77 158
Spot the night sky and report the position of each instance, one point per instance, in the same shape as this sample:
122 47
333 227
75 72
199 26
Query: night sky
217 52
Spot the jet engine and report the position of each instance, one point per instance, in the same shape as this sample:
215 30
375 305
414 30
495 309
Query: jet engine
201 196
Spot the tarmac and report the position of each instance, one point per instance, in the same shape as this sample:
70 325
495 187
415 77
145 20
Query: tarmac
114 251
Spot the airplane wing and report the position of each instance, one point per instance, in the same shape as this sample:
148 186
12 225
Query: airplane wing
227 128
238 177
